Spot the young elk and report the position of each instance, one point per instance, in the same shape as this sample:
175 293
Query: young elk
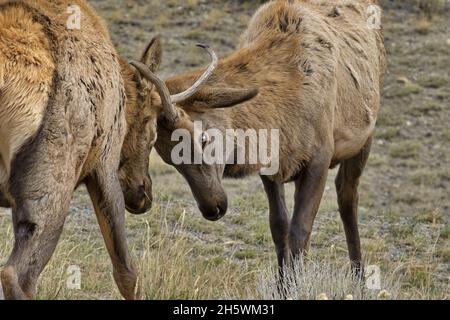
319 70
68 103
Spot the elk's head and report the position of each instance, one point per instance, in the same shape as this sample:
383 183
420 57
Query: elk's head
194 99
143 104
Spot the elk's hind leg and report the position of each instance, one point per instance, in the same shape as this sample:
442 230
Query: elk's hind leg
35 242
347 182
107 197
309 190
42 193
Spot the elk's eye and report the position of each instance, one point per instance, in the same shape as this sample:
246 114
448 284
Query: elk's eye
205 139
122 163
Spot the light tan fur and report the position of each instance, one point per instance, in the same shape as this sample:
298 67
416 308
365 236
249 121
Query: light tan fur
26 73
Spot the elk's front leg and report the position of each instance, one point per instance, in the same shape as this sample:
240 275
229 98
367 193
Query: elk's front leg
309 190
279 223
106 194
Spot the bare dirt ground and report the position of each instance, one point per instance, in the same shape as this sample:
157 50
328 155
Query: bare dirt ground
405 203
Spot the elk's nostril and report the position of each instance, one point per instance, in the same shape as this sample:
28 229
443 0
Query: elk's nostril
222 210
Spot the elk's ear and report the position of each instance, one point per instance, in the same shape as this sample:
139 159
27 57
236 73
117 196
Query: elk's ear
152 54
215 98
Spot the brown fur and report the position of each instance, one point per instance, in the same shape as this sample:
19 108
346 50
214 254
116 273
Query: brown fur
319 70
23 99
64 116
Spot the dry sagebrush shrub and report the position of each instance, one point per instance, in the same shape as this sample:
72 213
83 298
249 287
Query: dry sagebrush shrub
322 280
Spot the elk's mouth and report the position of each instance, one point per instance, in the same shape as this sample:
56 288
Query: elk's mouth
214 213
140 211
144 206
139 200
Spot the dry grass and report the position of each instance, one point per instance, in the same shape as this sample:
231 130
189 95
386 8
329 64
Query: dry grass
178 261
430 8
423 26
170 270
324 280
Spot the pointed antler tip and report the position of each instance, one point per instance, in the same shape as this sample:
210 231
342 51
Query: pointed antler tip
202 45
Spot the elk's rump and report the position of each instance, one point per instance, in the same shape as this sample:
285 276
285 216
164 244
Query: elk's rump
47 68
26 72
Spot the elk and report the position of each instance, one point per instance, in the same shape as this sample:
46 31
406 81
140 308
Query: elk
72 112
319 69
